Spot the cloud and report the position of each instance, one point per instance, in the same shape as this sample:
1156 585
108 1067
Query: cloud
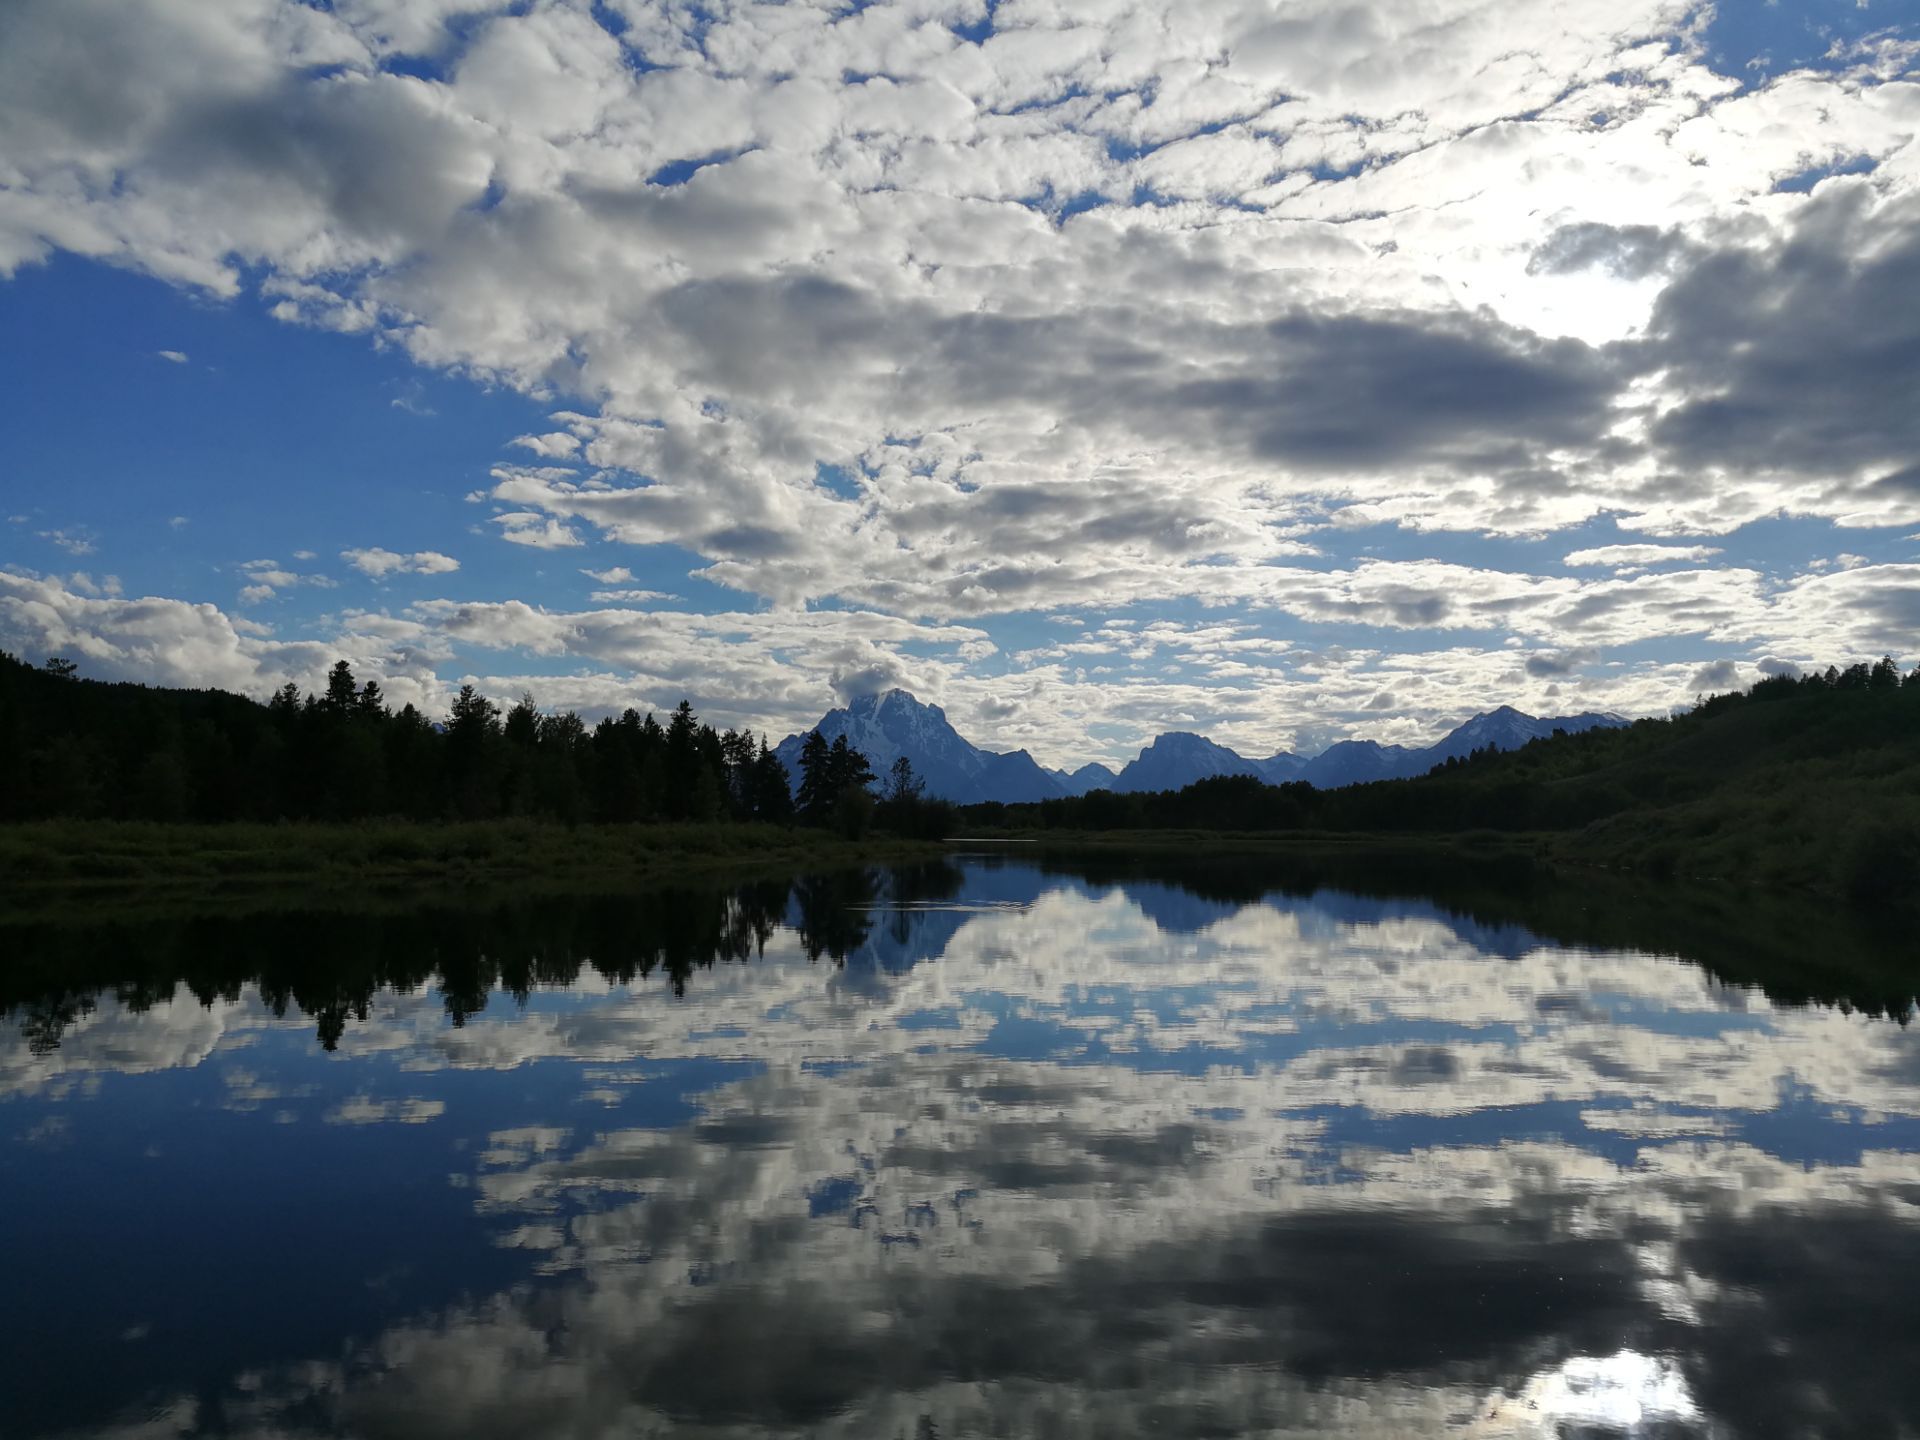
265 578
1549 665
412 399
74 542
628 597
83 583
523 527
876 677
618 575
558 445
379 563
1514 1266
1632 252
178 357
149 639
1721 675
1152 304
1627 557
1800 403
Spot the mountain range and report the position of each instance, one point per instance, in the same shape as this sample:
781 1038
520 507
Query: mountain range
885 726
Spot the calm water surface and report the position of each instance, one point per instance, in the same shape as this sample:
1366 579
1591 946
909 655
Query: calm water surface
967 1150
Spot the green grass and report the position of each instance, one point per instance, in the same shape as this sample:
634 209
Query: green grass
78 853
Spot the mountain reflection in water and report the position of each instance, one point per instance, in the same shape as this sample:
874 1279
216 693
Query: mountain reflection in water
965 1149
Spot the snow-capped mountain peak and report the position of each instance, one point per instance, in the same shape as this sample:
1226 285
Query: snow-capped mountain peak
891 723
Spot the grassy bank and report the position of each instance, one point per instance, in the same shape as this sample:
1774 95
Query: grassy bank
86 853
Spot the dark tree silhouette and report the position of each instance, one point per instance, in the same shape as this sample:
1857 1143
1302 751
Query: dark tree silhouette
1803 780
815 799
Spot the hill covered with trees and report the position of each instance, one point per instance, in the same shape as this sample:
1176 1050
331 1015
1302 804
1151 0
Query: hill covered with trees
1810 781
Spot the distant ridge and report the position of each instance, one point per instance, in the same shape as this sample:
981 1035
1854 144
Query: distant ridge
1089 777
885 726
1176 760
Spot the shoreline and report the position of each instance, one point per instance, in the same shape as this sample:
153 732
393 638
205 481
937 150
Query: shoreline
91 856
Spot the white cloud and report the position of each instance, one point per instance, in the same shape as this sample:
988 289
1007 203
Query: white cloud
265 578
84 584
380 563
1627 557
558 445
75 542
1131 304
150 639
523 527
178 357
628 597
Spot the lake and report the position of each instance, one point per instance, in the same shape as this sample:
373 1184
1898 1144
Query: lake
1000 1146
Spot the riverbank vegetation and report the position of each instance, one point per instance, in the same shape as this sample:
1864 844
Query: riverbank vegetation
324 855
1808 782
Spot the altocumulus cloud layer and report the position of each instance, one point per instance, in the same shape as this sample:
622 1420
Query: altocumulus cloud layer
1097 366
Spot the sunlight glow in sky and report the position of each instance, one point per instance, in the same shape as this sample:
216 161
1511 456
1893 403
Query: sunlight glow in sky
1093 368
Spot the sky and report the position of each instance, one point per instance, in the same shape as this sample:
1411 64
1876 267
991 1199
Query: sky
1092 368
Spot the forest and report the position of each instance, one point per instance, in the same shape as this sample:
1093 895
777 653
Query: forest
82 749
1808 782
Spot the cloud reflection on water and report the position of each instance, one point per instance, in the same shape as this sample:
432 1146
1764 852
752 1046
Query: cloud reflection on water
1118 1161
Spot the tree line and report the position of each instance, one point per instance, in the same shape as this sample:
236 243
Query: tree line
71 748
1809 781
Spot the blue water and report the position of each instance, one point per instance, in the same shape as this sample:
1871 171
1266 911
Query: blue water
1096 1159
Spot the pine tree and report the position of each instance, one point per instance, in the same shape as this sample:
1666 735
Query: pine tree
342 692
815 799
772 792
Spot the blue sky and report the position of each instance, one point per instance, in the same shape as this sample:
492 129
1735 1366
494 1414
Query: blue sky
1378 370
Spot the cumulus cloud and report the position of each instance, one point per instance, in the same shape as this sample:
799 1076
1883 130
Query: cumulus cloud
1636 557
1549 665
380 563
523 527
83 583
151 639
178 357
1092 307
1720 675
556 445
266 578
1802 401
628 597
